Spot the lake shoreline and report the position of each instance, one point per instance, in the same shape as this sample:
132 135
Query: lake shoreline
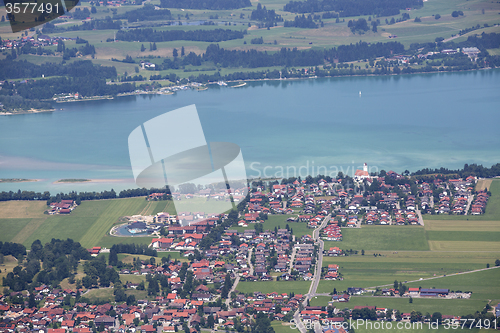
159 92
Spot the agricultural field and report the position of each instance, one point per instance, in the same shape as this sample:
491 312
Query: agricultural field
22 209
88 224
382 238
370 271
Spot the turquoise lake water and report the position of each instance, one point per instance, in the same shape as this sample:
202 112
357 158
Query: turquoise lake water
397 123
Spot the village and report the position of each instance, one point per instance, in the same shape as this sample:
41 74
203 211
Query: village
316 208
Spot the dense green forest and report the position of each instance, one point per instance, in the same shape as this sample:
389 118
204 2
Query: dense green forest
146 13
205 4
150 35
347 8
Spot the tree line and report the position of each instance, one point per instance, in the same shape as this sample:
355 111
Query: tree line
347 8
466 171
86 86
205 4
150 35
81 196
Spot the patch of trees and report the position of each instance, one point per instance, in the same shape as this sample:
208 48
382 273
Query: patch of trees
486 41
358 25
133 78
301 21
96 273
78 197
20 103
86 86
347 8
59 258
146 13
139 192
28 48
257 40
363 50
403 18
216 232
365 313
269 17
80 14
95 24
262 324
466 30
457 13
73 52
205 4
150 35
133 249
24 195
12 249
329 15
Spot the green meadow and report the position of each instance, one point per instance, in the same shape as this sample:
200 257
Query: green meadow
382 238
88 224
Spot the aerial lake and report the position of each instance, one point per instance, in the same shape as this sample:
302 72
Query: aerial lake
284 128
